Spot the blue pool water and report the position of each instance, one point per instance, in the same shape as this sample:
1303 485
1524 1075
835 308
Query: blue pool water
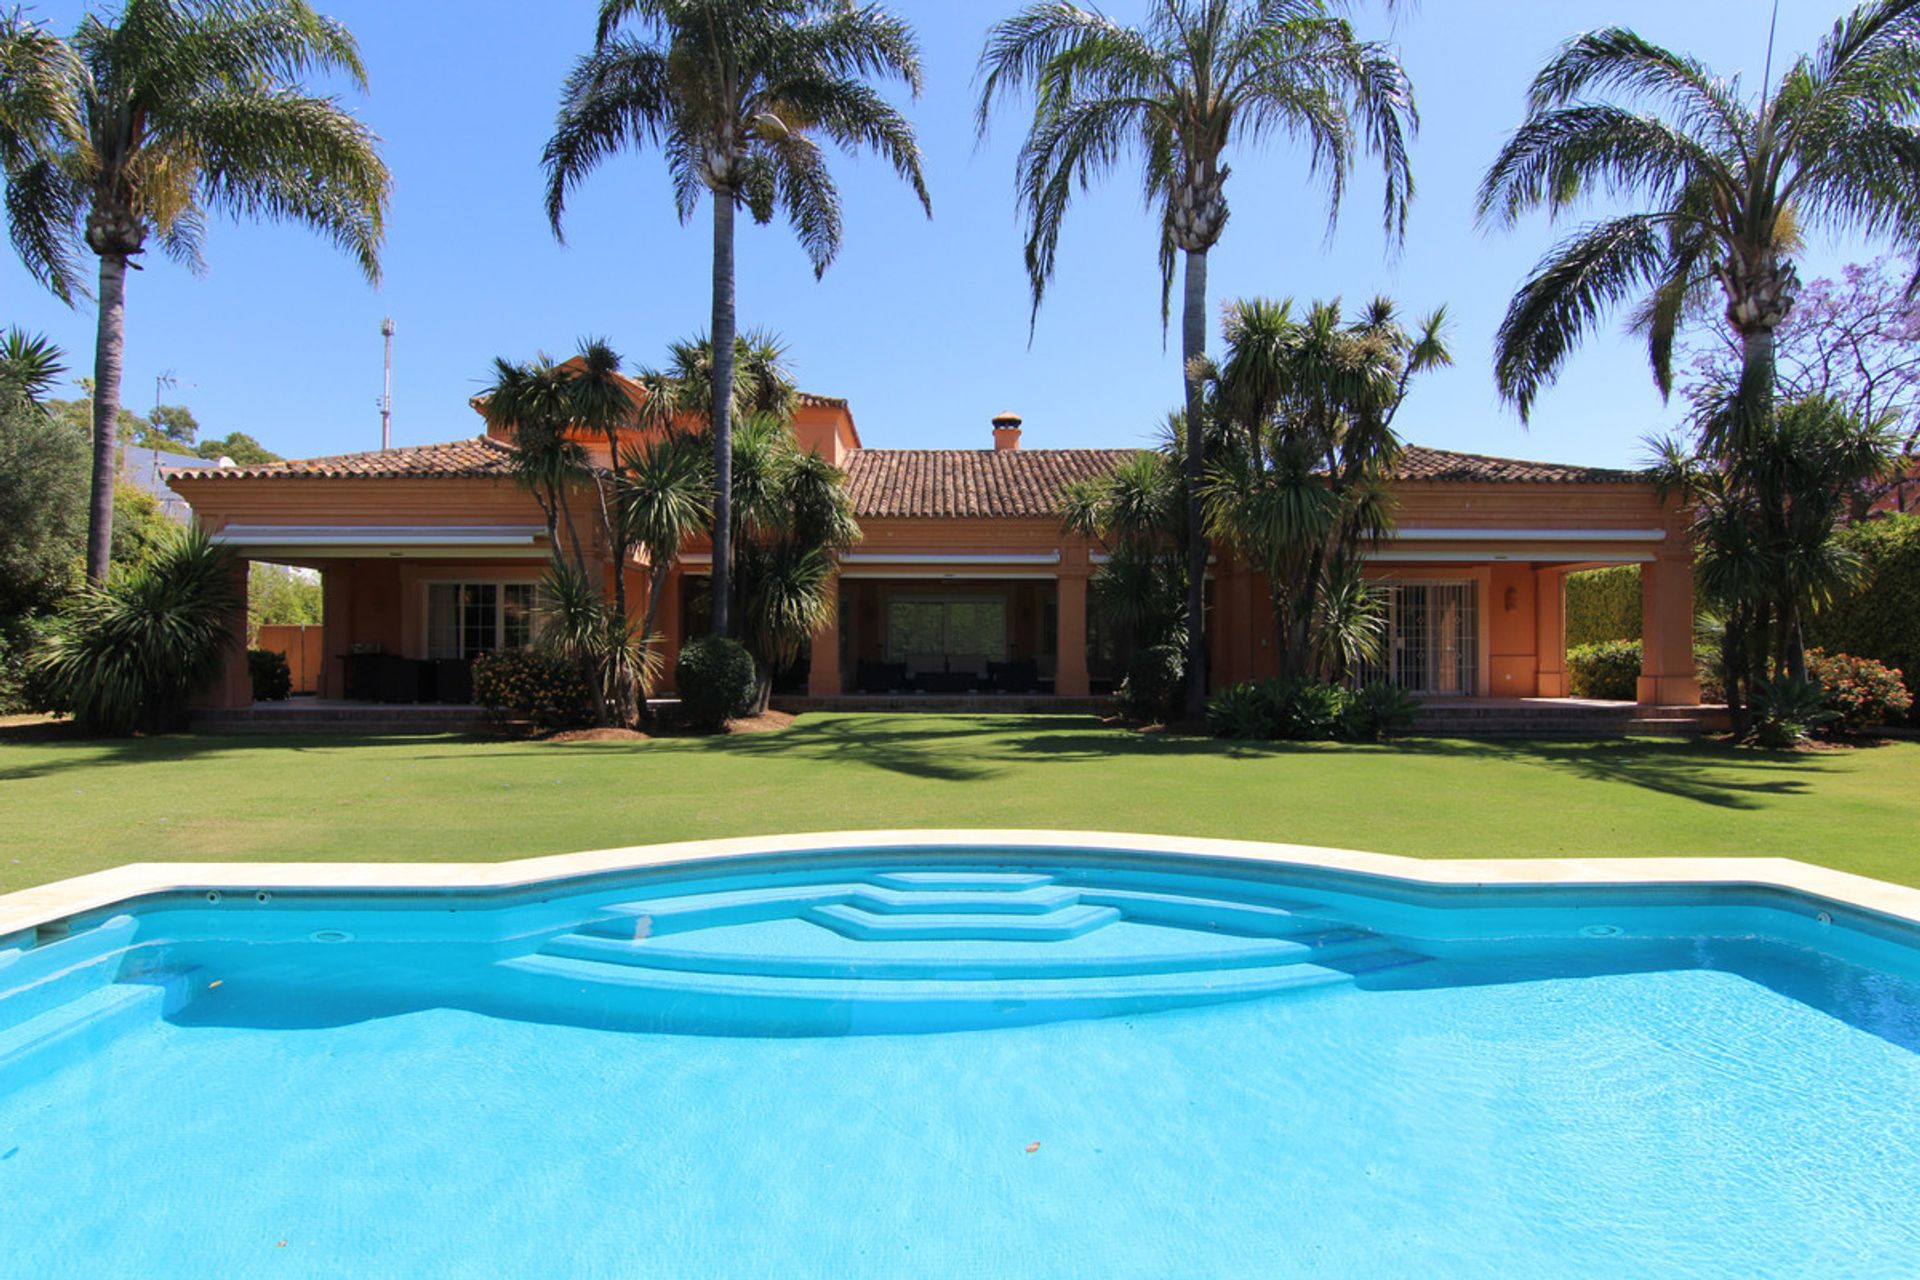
1050 1067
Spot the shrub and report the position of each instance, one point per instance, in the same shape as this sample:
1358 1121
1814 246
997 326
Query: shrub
142 643
1377 712
1787 711
1610 669
716 680
1603 604
1862 692
1155 679
271 677
24 686
523 684
1879 617
1278 710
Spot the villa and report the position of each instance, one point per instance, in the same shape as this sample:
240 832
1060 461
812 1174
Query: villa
964 582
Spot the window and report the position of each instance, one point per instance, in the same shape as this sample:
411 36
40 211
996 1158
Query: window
465 618
975 628
1432 639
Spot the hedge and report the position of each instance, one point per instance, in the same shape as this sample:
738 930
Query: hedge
1609 669
1880 617
1603 605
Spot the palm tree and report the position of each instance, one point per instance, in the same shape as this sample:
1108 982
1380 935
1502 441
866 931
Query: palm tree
793 515
735 93
1302 486
1138 514
1767 519
37 110
601 402
1197 78
186 106
532 403
1725 187
665 501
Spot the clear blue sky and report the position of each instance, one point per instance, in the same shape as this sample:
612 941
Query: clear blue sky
922 325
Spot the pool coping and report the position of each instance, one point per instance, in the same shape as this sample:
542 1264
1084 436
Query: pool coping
30 908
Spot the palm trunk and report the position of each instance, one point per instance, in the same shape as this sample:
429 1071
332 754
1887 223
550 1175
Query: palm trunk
723 326
1193 345
108 349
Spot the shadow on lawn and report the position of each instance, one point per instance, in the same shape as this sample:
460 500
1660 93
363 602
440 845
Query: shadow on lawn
972 748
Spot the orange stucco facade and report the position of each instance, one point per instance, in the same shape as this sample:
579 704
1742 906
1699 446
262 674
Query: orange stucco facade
1494 552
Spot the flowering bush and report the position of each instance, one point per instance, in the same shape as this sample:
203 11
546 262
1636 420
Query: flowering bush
1864 692
521 684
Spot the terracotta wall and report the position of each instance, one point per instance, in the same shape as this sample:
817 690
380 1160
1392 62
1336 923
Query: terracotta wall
304 648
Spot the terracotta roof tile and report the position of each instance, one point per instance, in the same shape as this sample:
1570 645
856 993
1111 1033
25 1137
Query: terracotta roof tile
970 482
474 456
905 482
1417 462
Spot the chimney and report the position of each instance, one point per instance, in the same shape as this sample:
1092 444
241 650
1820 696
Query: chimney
1006 432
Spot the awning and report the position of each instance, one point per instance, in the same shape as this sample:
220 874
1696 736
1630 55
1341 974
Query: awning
424 541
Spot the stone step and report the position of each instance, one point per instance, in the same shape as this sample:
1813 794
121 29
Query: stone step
854 922
766 1004
974 960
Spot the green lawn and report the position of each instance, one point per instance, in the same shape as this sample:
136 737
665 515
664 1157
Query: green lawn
68 807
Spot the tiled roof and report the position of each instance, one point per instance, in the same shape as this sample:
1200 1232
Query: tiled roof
970 482
474 456
1417 462
905 482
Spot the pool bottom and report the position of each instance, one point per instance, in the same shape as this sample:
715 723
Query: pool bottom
1688 1122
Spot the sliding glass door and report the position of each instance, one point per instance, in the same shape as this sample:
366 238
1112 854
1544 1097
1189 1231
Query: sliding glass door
1433 639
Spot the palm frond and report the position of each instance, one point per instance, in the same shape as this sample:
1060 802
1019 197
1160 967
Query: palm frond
1578 282
618 96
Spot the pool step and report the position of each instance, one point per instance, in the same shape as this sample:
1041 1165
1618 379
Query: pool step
869 926
972 961
959 879
76 1028
45 977
615 995
1039 900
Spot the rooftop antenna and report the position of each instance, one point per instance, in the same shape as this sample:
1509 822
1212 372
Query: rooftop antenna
1766 76
386 393
161 381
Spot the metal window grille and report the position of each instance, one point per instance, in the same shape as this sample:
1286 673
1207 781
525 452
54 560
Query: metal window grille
1433 639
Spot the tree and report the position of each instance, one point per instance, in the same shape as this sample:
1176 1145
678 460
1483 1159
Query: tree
37 116
1725 186
1854 340
1302 482
1180 92
735 93
237 445
43 506
187 106
1767 523
1138 514
792 514
174 427
281 596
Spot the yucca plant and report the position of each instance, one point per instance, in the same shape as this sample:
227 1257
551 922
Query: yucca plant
579 625
139 645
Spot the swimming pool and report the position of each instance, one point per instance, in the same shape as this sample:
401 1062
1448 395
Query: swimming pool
963 1060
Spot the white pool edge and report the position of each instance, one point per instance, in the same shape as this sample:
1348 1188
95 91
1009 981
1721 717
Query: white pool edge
29 908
